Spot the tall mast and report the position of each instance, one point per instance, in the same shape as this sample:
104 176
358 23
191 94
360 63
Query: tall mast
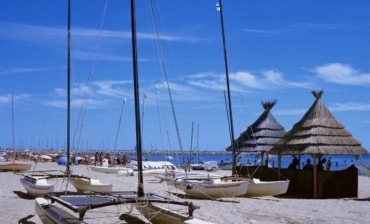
68 86
219 8
140 190
13 128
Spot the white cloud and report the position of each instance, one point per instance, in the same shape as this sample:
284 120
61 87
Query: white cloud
26 70
260 31
350 107
41 34
268 80
321 26
342 74
8 98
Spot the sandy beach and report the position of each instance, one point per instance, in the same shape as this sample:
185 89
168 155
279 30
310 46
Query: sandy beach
18 207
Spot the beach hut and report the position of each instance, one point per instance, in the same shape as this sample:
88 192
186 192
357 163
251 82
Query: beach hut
317 133
260 136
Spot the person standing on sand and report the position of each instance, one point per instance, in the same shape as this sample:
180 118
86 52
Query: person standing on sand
96 159
101 158
328 164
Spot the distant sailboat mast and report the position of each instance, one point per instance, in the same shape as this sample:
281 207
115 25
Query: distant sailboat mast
68 87
219 8
13 127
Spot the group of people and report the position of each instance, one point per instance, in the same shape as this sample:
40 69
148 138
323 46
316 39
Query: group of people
321 166
99 157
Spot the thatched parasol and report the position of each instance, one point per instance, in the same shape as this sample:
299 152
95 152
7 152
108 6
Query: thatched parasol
262 134
317 133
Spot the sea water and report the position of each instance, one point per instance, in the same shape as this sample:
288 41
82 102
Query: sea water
338 162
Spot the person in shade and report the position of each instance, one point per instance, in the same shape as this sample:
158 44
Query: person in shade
328 164
294 164
308 166
321 165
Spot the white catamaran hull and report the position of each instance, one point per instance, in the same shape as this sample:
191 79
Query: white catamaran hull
171 175
90 184
211 188
161 215
36 186
51 214
257 188
108 169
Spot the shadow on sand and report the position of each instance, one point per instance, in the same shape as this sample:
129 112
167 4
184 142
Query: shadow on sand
127 217
25 220
184 196
23 195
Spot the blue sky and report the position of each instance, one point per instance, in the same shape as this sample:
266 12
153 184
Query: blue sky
277 50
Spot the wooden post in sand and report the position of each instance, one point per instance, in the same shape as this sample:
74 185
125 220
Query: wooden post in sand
314 177
279 166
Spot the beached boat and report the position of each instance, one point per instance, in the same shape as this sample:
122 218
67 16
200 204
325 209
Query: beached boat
167 175
80 203
88 184
258 188
49 213
215 187
163 215
15 166
106 168
36 185
210 187
110 169
152 167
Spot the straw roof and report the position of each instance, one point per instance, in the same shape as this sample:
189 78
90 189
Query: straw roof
318 132
262 134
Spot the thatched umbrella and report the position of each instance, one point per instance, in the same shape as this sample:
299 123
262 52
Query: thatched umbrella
316 134
261 136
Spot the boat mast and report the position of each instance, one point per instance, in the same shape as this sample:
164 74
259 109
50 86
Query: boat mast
140 190
219 8
191 145
13 127
68 86
119 124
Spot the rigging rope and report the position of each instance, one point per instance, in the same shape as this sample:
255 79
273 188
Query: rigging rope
82 114
160 51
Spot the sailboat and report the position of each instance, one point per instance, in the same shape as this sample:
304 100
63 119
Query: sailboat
12 166
36 184
216 187
150 205
256 187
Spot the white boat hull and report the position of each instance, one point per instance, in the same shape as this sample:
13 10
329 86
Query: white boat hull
257 188
107 169
51 214
36 186
15 167
213 188
171 175
89 185
161 215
